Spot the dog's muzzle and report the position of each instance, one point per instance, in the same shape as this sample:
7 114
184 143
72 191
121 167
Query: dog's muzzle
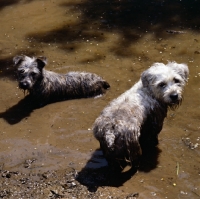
23 85
174 98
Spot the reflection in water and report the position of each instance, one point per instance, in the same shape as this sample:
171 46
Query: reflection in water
96 161
97 173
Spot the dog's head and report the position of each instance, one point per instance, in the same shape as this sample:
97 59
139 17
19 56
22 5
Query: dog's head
29 70
166 82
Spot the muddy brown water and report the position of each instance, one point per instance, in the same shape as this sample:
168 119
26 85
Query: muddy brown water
117 40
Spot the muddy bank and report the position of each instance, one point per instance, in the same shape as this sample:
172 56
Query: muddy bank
56 184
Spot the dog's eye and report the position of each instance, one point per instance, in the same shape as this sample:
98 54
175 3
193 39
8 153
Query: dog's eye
33 74
162 84
176 80
21 71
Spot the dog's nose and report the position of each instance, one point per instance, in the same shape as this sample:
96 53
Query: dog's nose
23 85
174 96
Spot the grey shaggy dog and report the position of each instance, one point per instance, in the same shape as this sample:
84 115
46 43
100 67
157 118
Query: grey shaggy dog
131 123
47 86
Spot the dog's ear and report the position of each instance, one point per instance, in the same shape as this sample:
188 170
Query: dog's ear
185 71
144 78
18 59
42 61
181 69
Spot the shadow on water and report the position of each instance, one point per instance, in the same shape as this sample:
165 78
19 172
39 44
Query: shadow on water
8 3
12 2
131 19
6 67
19 111
96 172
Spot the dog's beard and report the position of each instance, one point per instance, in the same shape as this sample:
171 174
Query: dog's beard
175 105
25 91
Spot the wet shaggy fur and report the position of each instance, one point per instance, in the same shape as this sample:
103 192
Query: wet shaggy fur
131 123
47 86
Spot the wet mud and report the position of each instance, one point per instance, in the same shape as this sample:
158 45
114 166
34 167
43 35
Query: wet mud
50 151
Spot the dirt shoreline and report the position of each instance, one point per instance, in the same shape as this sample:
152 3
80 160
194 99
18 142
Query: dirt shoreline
64 183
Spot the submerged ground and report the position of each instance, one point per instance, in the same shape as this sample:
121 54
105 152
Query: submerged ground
51 152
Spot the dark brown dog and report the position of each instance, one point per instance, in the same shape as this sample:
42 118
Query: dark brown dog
47 86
